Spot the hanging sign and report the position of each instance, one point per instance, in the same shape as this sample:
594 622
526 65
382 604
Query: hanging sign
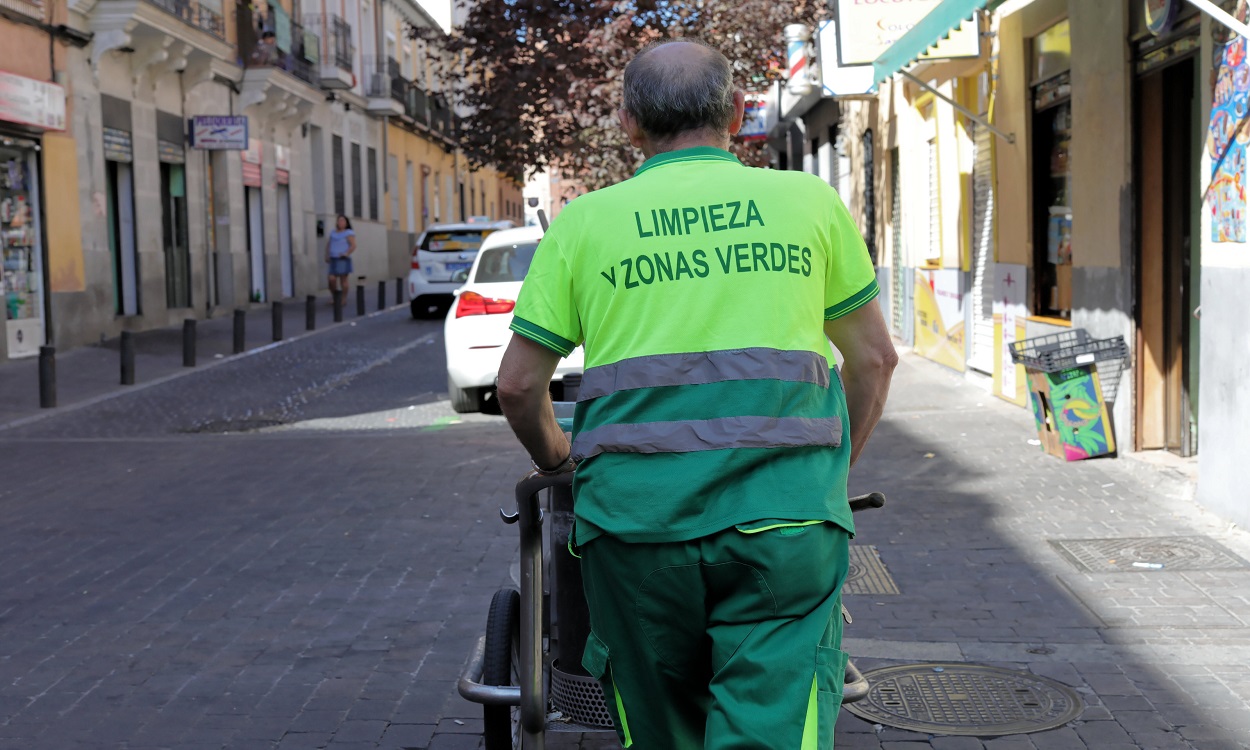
219 132
840 80
30 102
761 116
867 29
1160 15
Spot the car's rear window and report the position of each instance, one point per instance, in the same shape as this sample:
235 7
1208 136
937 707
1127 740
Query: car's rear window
505 263
447 242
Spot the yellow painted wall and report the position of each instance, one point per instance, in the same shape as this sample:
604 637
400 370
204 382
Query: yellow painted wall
64 227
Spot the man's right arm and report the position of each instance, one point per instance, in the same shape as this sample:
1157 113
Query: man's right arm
869 361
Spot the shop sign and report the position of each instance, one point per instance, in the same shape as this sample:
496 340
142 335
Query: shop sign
30 102
1160 15
219 132
867 28
939 301
251 163
761 115
282 165
170 153
117 145
839 80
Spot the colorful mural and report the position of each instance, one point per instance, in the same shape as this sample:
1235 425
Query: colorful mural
1070 414
1227 136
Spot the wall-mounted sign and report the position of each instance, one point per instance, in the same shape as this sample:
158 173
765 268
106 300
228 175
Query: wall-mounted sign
839 80
867 29
30 102
251 157
117 145
282 165
1160 15
169 152
219 132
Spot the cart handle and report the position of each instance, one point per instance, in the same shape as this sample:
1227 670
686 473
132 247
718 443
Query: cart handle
866 502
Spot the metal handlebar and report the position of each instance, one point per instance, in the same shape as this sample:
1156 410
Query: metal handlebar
865 502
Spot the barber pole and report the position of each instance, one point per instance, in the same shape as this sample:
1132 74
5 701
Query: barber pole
798 52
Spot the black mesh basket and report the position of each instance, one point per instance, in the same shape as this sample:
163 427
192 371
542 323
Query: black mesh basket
1075 348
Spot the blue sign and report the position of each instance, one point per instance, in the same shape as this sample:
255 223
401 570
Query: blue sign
219 132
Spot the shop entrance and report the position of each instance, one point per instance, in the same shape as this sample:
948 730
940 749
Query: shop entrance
121 219
1166 404
256 244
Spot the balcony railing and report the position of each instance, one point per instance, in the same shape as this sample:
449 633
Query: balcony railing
336 40
442 119
261 44
194 14
378 78
398 84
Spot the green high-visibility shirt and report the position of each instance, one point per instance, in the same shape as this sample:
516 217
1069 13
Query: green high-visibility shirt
710 398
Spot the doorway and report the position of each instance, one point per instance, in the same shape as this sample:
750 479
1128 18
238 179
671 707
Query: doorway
122 246
285 253
1166 403
256 244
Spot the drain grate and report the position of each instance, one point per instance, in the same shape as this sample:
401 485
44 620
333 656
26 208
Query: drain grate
867 574
965 699
1148 553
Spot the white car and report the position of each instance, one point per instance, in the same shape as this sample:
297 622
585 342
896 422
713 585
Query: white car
442 253
476 330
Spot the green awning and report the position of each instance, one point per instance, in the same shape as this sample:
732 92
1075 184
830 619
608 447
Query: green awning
933 28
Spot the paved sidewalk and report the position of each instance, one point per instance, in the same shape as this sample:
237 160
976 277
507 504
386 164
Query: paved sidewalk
89 373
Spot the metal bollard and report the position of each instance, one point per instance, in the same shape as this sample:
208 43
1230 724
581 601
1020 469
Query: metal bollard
360 299
240 331
399 291
188 342
338 304
382 295
276 315
128 358
310 313
47 377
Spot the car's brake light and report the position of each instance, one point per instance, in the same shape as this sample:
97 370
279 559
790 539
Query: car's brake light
472 303
416 264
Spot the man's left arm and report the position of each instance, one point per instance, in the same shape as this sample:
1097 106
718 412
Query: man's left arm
524 379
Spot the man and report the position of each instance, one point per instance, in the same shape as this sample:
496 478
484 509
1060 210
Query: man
712 438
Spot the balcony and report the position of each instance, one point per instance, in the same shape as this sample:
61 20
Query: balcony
381 74
442 118
336 53
279 57
159 34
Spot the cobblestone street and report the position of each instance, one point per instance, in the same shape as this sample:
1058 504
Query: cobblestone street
297 548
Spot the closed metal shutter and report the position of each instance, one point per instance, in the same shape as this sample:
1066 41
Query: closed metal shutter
896 229
982 304
935 223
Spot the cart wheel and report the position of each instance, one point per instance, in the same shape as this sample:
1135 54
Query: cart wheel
502 724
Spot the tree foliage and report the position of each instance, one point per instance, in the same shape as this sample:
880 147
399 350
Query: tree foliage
542 78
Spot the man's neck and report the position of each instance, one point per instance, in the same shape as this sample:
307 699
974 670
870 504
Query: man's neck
691 139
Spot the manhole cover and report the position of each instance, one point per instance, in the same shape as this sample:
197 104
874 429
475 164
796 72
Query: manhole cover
1148 553
965 699
867 574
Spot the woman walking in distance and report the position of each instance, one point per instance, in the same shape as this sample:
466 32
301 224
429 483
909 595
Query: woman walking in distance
338 254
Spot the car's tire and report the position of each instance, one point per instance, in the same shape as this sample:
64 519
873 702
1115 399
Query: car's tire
500 667
464 400
418 311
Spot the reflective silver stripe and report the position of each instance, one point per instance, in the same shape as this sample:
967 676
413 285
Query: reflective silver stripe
709 435
698 368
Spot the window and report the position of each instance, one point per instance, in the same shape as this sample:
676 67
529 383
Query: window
336 165
358 195
373 183
505 264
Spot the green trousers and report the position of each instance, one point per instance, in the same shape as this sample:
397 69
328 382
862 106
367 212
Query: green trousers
726 642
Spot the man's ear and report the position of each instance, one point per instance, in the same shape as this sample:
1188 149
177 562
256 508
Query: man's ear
740 104
630 125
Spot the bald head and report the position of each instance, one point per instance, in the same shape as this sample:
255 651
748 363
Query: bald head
681 85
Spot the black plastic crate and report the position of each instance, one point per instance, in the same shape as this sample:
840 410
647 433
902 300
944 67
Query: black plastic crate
1067 349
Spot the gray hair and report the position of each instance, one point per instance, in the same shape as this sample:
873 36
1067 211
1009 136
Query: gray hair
668 99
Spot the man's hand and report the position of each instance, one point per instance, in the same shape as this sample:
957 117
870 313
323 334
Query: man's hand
524 379
868 352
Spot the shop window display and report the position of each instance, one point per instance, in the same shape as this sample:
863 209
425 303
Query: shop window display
20 233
